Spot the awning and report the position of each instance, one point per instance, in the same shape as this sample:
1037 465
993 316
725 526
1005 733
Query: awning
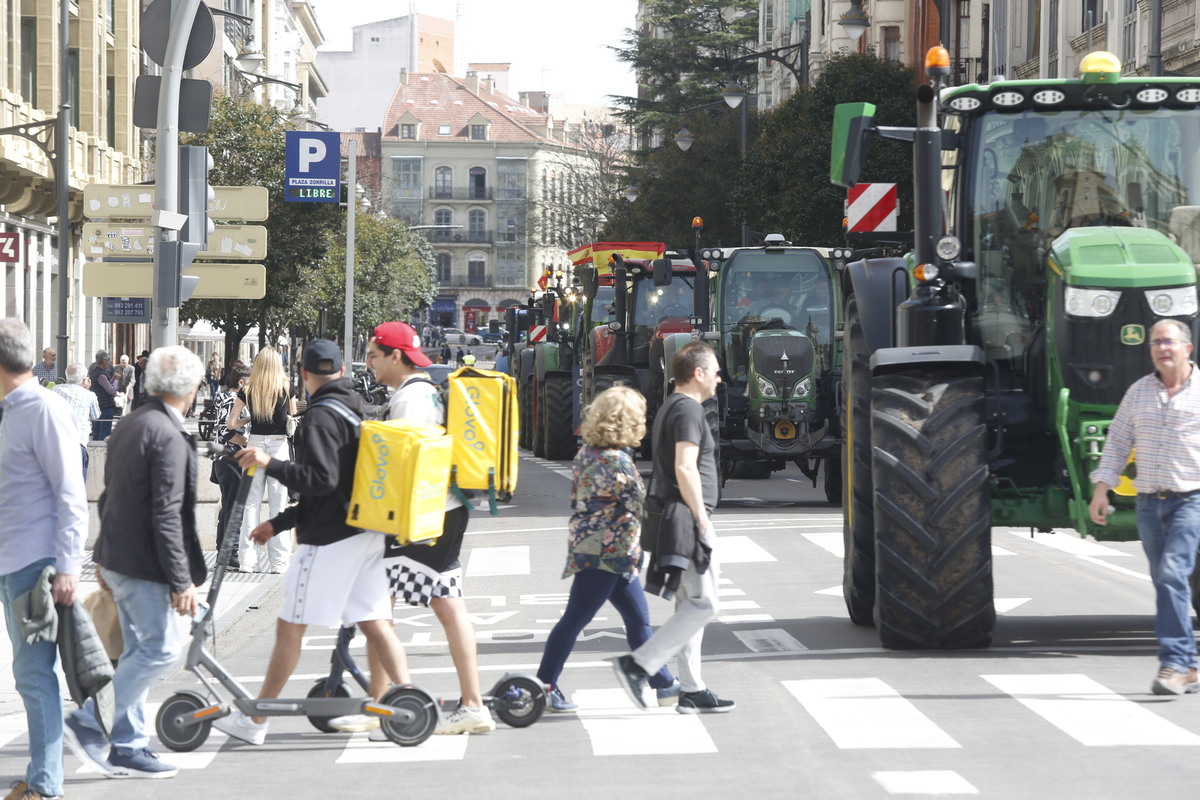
477 304
443 305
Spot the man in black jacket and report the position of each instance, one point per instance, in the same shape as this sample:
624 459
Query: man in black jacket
337 576
685 473
149 555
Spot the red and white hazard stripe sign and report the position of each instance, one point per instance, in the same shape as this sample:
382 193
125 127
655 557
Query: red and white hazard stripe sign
871 207
537 334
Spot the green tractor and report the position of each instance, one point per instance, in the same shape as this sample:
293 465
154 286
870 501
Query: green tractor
1055 222
775 310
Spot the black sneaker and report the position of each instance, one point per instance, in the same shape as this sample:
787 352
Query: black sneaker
633 679
142 763
705 702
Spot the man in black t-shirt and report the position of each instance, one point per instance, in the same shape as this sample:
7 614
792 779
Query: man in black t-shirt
686 479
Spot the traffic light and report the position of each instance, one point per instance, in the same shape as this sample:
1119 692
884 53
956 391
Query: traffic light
195 194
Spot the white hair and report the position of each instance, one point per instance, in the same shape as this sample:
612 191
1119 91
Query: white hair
16 346
173 371
76 373
1185 333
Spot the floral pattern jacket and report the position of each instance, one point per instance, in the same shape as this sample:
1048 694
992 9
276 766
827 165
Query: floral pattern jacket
607 498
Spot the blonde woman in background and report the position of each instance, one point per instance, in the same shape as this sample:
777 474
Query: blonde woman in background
266 402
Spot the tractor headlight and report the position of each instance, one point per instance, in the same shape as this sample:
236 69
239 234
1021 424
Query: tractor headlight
1090 302
1180 301
802 388
765 387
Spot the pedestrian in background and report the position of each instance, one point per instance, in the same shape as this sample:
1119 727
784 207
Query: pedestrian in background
100 374
337 576
446 354
123 375
43 522
604 552
266 397
149 554
214 376
226 472
684 563
46 369
428 575
84 408
458 357
1159 416
139 378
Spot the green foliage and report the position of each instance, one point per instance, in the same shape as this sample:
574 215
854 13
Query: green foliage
246 142
395 273
784 184
694 53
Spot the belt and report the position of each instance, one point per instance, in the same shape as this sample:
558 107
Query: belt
1166 494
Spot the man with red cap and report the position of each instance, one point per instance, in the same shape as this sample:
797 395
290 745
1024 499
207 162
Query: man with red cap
426 575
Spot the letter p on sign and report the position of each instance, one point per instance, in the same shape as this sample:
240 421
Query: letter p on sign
313 166
312 151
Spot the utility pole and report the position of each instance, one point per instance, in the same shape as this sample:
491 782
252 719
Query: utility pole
62 187
351 203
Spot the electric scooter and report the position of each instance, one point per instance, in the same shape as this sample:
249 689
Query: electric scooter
407 714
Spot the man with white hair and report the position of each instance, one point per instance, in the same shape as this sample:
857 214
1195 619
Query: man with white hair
149 554
43 522
84 407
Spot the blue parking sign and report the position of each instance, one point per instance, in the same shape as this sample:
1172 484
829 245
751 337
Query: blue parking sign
313 170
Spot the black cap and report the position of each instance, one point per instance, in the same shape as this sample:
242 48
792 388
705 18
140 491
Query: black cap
322 357
144 354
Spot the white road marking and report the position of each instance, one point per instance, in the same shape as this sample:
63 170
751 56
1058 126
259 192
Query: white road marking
360 750
1090 712
731 619
1070 542
740 550
1006 604
1131 573
866 713
736 605
618 728
924 781
493 561
833 591
769 640
730 592
831 542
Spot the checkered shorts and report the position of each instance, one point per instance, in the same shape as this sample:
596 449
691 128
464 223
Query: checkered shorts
416 584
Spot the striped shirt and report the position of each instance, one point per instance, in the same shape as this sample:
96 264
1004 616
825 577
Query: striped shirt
84 407
1164 430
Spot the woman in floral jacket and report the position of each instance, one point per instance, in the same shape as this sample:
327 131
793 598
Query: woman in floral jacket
603 549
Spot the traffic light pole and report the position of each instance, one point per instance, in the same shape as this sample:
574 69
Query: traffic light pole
165 318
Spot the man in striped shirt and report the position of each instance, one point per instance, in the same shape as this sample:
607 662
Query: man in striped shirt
1160 417
84 406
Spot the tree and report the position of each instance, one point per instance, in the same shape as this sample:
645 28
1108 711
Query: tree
784 183
684 52
585 175
395 273
246 142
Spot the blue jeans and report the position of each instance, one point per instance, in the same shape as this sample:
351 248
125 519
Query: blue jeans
1170 532
37 683
155 638
589 591
102 427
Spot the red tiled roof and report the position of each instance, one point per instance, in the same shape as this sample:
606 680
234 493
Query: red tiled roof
438 99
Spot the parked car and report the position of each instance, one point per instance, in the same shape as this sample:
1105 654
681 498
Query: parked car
455 336
492 338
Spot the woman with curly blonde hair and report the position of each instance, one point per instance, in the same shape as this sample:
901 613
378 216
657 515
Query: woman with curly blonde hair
603 548
267 402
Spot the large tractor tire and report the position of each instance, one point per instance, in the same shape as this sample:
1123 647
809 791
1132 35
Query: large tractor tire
933 545
858 526
832 480
525 414
558 419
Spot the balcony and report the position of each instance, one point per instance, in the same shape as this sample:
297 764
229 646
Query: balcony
477 193
460 237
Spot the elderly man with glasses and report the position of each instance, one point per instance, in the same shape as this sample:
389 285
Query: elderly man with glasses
1160 417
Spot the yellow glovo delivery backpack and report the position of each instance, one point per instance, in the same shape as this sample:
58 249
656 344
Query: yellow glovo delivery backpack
481 418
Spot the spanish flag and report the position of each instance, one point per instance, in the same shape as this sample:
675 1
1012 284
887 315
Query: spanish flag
581 254
602 253
544 281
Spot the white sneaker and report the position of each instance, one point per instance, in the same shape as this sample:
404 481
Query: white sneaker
467 720
239 726
355 723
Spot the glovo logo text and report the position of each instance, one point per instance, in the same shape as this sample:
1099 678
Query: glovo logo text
471 427
379 482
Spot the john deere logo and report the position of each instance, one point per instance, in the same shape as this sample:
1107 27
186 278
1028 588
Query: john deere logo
1133 334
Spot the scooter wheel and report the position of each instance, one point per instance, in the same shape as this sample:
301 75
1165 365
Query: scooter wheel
182 738
423 709
318 690
519 702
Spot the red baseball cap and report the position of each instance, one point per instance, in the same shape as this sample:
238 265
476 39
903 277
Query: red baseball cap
401 336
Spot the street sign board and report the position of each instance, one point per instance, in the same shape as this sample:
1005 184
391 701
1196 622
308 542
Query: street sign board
136 240
537 334
126 310
313 167
10 247
136 279
871 207
116 201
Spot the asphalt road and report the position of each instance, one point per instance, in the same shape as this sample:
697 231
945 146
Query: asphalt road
1058 707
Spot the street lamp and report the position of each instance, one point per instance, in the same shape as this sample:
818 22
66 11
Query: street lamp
734 94
855 21
684 139
631 191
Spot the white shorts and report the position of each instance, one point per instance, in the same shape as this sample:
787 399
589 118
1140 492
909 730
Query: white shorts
336 584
